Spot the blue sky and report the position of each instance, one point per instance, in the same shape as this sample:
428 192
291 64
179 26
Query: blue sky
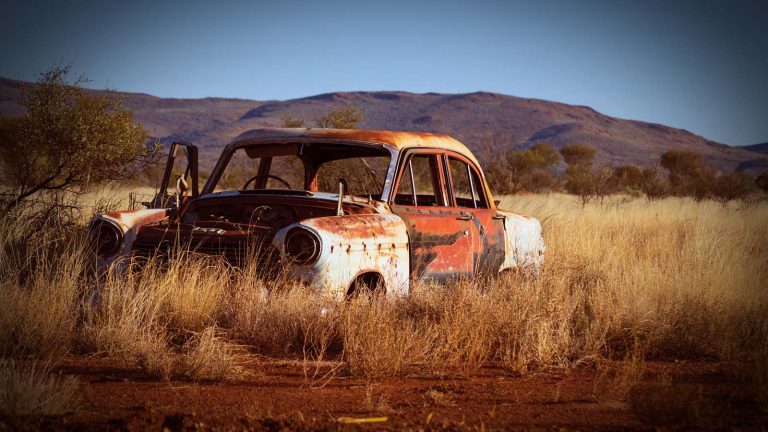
698 65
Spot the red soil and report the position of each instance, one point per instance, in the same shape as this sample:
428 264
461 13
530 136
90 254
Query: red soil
279 396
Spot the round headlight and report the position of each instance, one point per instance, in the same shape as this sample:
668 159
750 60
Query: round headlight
302 246
105 238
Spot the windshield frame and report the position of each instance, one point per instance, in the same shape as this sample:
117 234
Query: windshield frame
230 150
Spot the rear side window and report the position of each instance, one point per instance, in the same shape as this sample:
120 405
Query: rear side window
466 185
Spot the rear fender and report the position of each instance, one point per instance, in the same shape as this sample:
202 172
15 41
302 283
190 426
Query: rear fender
524 248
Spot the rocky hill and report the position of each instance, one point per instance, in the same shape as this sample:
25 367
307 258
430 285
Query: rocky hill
758 148
488 123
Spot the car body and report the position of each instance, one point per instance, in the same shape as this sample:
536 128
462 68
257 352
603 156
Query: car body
374 209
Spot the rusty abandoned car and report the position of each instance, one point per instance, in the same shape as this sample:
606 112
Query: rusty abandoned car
335 209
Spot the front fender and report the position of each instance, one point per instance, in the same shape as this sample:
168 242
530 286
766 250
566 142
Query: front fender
352 245
128 222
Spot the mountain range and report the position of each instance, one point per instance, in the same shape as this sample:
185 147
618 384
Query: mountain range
489 123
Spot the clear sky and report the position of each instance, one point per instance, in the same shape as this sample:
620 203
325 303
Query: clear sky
698 65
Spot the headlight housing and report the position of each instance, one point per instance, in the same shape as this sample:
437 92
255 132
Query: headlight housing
302 246
105 238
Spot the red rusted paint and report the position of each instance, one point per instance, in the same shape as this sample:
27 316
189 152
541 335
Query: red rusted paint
394 139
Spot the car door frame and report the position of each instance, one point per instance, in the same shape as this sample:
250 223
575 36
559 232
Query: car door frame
439 245
488 230
163 199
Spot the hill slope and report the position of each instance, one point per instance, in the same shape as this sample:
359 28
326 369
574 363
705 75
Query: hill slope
758 148
486 122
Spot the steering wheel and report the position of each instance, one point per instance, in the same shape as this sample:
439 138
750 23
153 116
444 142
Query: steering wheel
272 176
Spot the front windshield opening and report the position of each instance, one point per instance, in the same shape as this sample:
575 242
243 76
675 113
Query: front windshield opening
315 167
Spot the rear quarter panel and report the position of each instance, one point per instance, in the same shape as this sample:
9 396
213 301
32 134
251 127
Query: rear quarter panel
524 243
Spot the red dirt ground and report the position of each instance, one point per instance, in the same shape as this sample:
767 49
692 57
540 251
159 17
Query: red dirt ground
671 395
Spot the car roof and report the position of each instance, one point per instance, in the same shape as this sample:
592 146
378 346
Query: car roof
393 139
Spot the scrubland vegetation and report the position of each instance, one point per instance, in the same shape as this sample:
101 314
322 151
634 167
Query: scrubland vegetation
627 279
680 173
639 266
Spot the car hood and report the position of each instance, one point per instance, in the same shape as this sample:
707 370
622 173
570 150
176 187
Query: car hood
373 203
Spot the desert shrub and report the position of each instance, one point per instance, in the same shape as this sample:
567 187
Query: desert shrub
729 187
652 185
682 165
289 121
627 177
581 179
589 185
345 118
67 140
578 155
762 181
30 388
687 175
526 170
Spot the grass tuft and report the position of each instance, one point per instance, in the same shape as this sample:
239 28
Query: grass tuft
29 388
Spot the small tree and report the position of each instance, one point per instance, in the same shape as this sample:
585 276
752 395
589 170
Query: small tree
580 183
578 155
347 118
762 181
653 186
681 163
529 169
687 175
68 140
733 186
627 177
579 178
289 121
603 183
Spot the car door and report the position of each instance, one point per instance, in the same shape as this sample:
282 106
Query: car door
439 242
468 193
180 173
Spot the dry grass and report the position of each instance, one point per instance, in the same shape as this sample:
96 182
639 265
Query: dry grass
376 403
210 357
29 388
678 278
161 320
40 285
687 278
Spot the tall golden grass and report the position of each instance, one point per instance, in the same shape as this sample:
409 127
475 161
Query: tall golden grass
679 278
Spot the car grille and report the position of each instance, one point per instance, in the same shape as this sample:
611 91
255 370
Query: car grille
237 254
